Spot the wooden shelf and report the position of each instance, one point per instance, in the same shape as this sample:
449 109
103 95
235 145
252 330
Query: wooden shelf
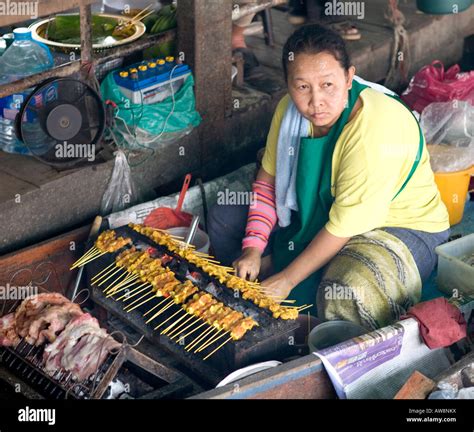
45 8
74 67
51 7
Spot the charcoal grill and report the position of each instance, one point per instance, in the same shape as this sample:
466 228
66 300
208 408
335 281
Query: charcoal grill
26 361
146 378
271 340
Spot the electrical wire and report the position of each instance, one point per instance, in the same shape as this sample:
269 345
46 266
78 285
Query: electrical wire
142 142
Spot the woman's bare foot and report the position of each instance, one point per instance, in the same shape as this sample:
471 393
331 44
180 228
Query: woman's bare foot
347 30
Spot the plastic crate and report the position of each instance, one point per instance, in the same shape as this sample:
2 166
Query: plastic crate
453 273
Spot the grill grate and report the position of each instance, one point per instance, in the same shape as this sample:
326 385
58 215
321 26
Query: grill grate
26 362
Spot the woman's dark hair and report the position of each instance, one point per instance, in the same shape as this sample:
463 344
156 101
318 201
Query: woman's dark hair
314 39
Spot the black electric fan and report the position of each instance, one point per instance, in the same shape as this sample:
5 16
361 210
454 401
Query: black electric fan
61 122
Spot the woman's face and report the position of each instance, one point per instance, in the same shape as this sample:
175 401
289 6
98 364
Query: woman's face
318 85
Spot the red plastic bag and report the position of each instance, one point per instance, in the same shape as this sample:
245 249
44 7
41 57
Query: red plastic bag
432 84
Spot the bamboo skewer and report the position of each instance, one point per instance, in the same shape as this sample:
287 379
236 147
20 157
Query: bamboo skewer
210 336
92 251
113 283
302 308
139 298
206 332
136 17
213 341
164 309
142 17
85 256
143 291
133 20
88 260
176 322
141 303
209 341
119 283
210 260
273 296
134 291
124 287
127 297
167 319
113 289
97 279
103 270
154 307
192 331
108 277
218 348
167 306
200 337
177 330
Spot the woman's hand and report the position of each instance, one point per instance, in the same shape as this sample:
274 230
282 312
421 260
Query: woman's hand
278 286
247 266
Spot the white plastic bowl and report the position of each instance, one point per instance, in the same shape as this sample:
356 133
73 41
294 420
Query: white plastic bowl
331 333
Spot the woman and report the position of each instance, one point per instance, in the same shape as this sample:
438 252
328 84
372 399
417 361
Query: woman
346 174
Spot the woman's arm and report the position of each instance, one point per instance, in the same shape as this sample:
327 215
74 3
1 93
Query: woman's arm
261 220
318 253
263 176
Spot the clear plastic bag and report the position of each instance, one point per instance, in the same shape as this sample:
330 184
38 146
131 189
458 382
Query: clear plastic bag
449 130
138 139
445 391
121 192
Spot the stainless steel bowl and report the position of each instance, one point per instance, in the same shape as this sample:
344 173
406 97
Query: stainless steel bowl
37 28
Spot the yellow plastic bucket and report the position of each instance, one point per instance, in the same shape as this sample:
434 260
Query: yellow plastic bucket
453 187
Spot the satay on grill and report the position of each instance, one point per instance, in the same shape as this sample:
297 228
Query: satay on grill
184 291
109 242
106 242
248 291
216 314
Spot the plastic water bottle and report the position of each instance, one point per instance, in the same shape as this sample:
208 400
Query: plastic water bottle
23 58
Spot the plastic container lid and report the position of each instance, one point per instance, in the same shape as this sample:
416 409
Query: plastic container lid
22 33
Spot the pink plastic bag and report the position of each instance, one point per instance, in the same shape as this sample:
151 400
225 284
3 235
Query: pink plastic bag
432 84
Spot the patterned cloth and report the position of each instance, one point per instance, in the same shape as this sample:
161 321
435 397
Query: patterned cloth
372 281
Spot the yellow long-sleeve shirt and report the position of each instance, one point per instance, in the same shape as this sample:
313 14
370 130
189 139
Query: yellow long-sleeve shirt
372 159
